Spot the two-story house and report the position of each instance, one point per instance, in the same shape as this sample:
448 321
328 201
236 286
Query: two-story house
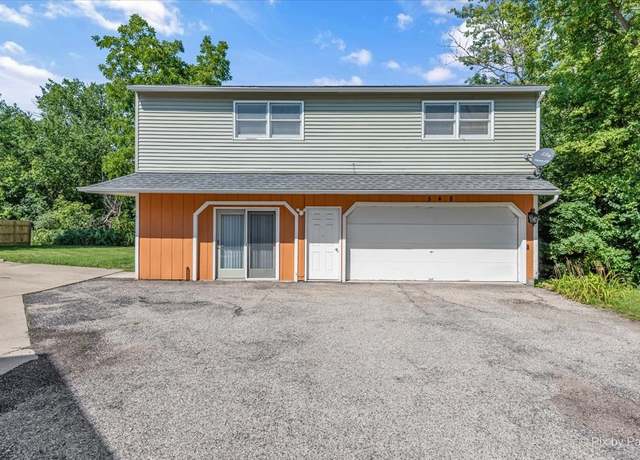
335 183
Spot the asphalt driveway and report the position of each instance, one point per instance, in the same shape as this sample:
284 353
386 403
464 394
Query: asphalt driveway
150 369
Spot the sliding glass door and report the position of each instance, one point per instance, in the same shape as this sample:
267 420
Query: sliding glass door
230 244
245 244
262 244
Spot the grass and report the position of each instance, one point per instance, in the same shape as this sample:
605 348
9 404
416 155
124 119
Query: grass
600 290
80 256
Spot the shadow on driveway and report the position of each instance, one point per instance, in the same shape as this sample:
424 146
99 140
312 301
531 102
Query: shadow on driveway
40 417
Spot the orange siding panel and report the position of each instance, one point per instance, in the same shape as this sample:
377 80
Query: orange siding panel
144 237
166 237
166 228
155 235
177 255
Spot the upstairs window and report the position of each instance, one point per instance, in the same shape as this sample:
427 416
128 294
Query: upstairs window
475 119
268 120
457 120
439 120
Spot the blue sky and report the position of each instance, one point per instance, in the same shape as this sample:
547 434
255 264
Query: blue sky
281 42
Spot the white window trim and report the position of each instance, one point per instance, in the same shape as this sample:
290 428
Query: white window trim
242 204
268 136
456 126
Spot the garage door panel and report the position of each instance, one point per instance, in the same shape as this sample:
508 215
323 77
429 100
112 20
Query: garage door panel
432 237
431 243
432 215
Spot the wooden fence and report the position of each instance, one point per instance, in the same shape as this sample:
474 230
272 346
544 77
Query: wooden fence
15 232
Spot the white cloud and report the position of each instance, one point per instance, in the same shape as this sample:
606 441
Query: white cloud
403 20
442 7
448 68
438 74
329 81
12 48
16 17
110 14
455 38
391 64
326 39
439 20
450 60
202 26
242 10
26 9
361 57
21 82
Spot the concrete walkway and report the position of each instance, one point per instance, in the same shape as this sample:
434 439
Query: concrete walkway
19 279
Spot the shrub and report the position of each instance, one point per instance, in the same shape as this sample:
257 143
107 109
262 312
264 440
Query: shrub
72 224
65 215
592 288
91 237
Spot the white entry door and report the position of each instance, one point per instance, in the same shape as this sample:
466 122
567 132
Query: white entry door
323 240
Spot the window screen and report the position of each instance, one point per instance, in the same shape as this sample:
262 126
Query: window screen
251 119
268 120
439 120
286 119
474 119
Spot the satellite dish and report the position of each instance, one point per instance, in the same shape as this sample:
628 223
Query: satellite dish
540 159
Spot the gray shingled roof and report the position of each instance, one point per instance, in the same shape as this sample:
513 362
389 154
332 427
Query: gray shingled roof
169 182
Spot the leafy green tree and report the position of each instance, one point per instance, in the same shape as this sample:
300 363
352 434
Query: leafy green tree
137 56
18 132
45 159
588 53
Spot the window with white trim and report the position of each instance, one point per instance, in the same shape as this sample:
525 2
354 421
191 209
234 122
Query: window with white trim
267 120
439 120
457 120
474 119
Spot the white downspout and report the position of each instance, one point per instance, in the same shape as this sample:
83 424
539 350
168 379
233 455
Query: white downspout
552 201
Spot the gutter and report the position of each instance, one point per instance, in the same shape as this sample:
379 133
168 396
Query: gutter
552 201
424 89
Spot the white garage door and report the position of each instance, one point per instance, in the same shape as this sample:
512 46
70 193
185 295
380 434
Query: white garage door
443 243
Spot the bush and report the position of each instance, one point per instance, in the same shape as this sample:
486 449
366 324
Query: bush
72 224
91 237
602 290
65 215
592 288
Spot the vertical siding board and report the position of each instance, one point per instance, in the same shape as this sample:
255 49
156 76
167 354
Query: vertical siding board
145 235
187 236
156 236
167 237
176 242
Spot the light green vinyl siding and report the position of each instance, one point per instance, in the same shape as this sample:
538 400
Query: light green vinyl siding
367 134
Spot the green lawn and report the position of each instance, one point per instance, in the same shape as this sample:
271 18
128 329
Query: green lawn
80 256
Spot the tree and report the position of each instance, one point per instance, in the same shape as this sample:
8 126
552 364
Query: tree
45 159
137 57
501 41
17 144
588 53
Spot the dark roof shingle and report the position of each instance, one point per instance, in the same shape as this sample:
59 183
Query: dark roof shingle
303 183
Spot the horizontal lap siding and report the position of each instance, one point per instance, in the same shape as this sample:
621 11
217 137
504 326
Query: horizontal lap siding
178 133
166 229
